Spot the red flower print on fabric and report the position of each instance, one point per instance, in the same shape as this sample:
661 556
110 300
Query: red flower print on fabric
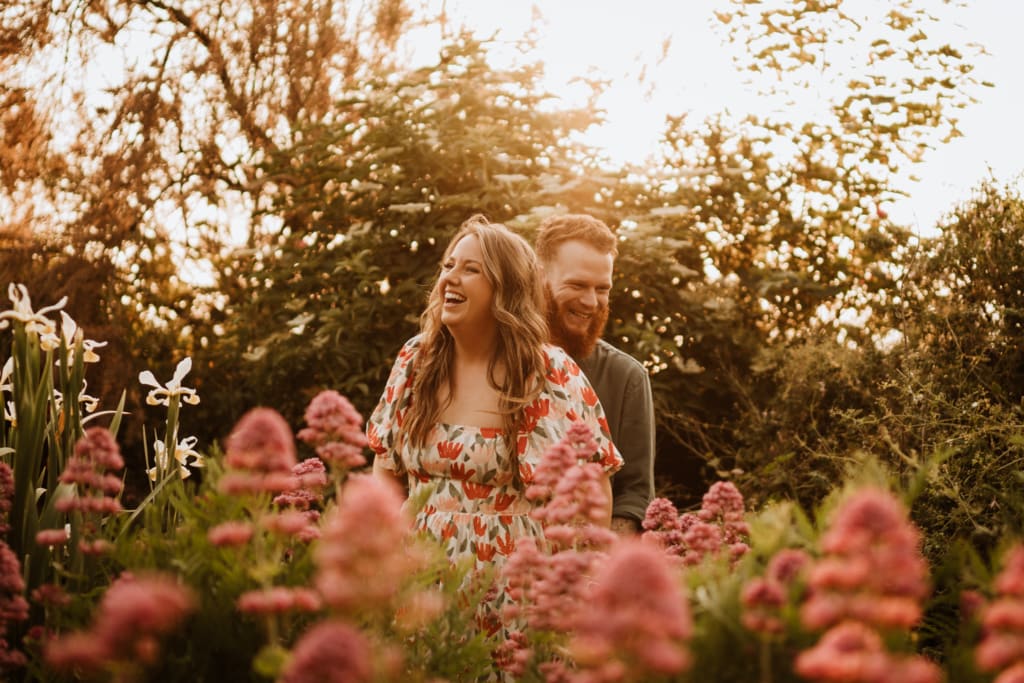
449 450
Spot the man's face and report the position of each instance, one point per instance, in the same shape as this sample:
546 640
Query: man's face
578 280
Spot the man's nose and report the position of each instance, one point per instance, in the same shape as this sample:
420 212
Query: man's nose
589 298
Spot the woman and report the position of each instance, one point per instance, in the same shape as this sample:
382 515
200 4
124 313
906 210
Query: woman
474 400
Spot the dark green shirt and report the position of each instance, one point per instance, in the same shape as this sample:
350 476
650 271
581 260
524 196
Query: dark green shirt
624 389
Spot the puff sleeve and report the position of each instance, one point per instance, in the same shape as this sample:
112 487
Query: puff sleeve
574 400
383 429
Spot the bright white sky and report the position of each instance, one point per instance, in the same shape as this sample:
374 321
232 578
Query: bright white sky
614 39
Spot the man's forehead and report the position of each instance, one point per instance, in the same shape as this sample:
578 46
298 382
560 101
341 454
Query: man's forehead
580 261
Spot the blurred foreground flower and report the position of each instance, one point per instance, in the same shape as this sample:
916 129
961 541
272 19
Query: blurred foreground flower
364 554
872 577
854 653
13 606
872 570
636 623
1002 646
133 614
260 455
764 597
330 652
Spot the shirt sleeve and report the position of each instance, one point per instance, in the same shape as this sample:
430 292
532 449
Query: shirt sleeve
582 404
385 424
633 486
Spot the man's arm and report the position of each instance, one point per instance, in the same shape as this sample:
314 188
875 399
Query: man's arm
633 485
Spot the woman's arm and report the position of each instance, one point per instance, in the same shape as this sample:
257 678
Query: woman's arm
386 474
606 489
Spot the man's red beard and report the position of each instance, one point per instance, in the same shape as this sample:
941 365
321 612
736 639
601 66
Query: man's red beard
577 345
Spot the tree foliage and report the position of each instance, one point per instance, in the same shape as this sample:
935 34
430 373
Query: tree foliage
309 179
367 205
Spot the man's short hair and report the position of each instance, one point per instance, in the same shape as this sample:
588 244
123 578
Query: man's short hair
557 230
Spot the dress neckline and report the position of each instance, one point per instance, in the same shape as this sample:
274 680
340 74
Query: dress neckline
448 426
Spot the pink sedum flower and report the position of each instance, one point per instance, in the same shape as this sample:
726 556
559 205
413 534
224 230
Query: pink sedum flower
335 430
1015 674
661 515
13 606
6 496
230 534
261 442
762 600
872 570
555 462
260 455
514 653
95 454
1011 579
330 652
1002 646
362 557
717 528
133 614
52 537
854 653
637 621
278 600
787 565
580 439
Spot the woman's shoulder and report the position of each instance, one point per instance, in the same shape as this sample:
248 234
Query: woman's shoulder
410 347
558 361
407 354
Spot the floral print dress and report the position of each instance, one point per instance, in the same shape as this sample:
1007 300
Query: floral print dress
476 509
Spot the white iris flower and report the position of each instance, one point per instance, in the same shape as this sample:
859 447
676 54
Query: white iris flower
161 394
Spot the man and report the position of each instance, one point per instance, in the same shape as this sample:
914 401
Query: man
577 254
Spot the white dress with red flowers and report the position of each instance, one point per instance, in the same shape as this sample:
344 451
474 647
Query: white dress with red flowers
475 508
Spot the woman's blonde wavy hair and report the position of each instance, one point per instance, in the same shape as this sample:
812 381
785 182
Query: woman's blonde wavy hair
511 268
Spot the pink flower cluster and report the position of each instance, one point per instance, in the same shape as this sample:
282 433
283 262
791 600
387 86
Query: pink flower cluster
853 653
96 454
13 606
279 600
230 534
717 526
573 515
578 445
1002 645
569 489
872 570
872 576
312 479
335 430
133 614
88 469
636 623
6 496
330 652
260 455
363 555
765 596
545 590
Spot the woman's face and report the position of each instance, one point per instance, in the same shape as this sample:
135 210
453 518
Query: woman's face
466 294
